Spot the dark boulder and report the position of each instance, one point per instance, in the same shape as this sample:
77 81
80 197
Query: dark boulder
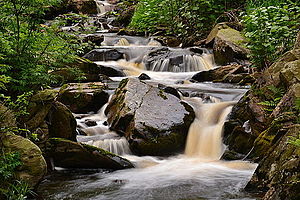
70 154
154 122
61 121
104 55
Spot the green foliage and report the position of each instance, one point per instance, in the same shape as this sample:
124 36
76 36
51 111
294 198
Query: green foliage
28 47
181 17
295 141
8 164
10 187
19 105
271 28
273 96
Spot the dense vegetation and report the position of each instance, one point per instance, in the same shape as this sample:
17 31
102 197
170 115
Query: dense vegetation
29 48
183 18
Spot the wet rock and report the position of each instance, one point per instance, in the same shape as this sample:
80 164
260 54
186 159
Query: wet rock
61 121
229 44
84 97
278 173
144 76
90 122
34 166
104 55
263 132
138 111
38 109
69 154
111 71
172 60
228 74
169 41
94 38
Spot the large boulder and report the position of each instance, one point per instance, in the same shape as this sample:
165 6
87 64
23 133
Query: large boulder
48 118
84 97
287 69
154 122
33 166
69 154
229 45
61 122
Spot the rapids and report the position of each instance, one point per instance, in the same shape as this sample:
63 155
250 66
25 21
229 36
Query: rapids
197 173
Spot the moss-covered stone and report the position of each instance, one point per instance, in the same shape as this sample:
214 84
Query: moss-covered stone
229 44
33 166
278 173
61 122
84 97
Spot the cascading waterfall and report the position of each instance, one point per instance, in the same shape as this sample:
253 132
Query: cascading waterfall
100 136
191 63
204 139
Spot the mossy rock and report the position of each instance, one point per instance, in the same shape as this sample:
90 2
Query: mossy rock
61 122
70 154
278 172
7 117
229 44
33 166
84 97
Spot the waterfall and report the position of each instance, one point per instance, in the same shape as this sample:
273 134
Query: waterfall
100 136
190 63
103 6
205 134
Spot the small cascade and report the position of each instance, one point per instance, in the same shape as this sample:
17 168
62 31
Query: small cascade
205 134
190 63
117 146
103 6
100 136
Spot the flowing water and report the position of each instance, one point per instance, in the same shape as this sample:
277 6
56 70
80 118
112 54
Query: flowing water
197 173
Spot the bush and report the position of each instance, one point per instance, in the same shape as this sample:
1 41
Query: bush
29 49
181 17
10 187
270 29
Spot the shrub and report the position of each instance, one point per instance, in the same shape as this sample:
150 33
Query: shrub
181 17
10 187
28 47
270 29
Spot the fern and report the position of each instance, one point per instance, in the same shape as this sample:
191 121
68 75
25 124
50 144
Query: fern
276 96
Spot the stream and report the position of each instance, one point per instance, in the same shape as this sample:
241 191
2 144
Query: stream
197 173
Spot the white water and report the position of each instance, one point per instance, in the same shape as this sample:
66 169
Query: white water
198 173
